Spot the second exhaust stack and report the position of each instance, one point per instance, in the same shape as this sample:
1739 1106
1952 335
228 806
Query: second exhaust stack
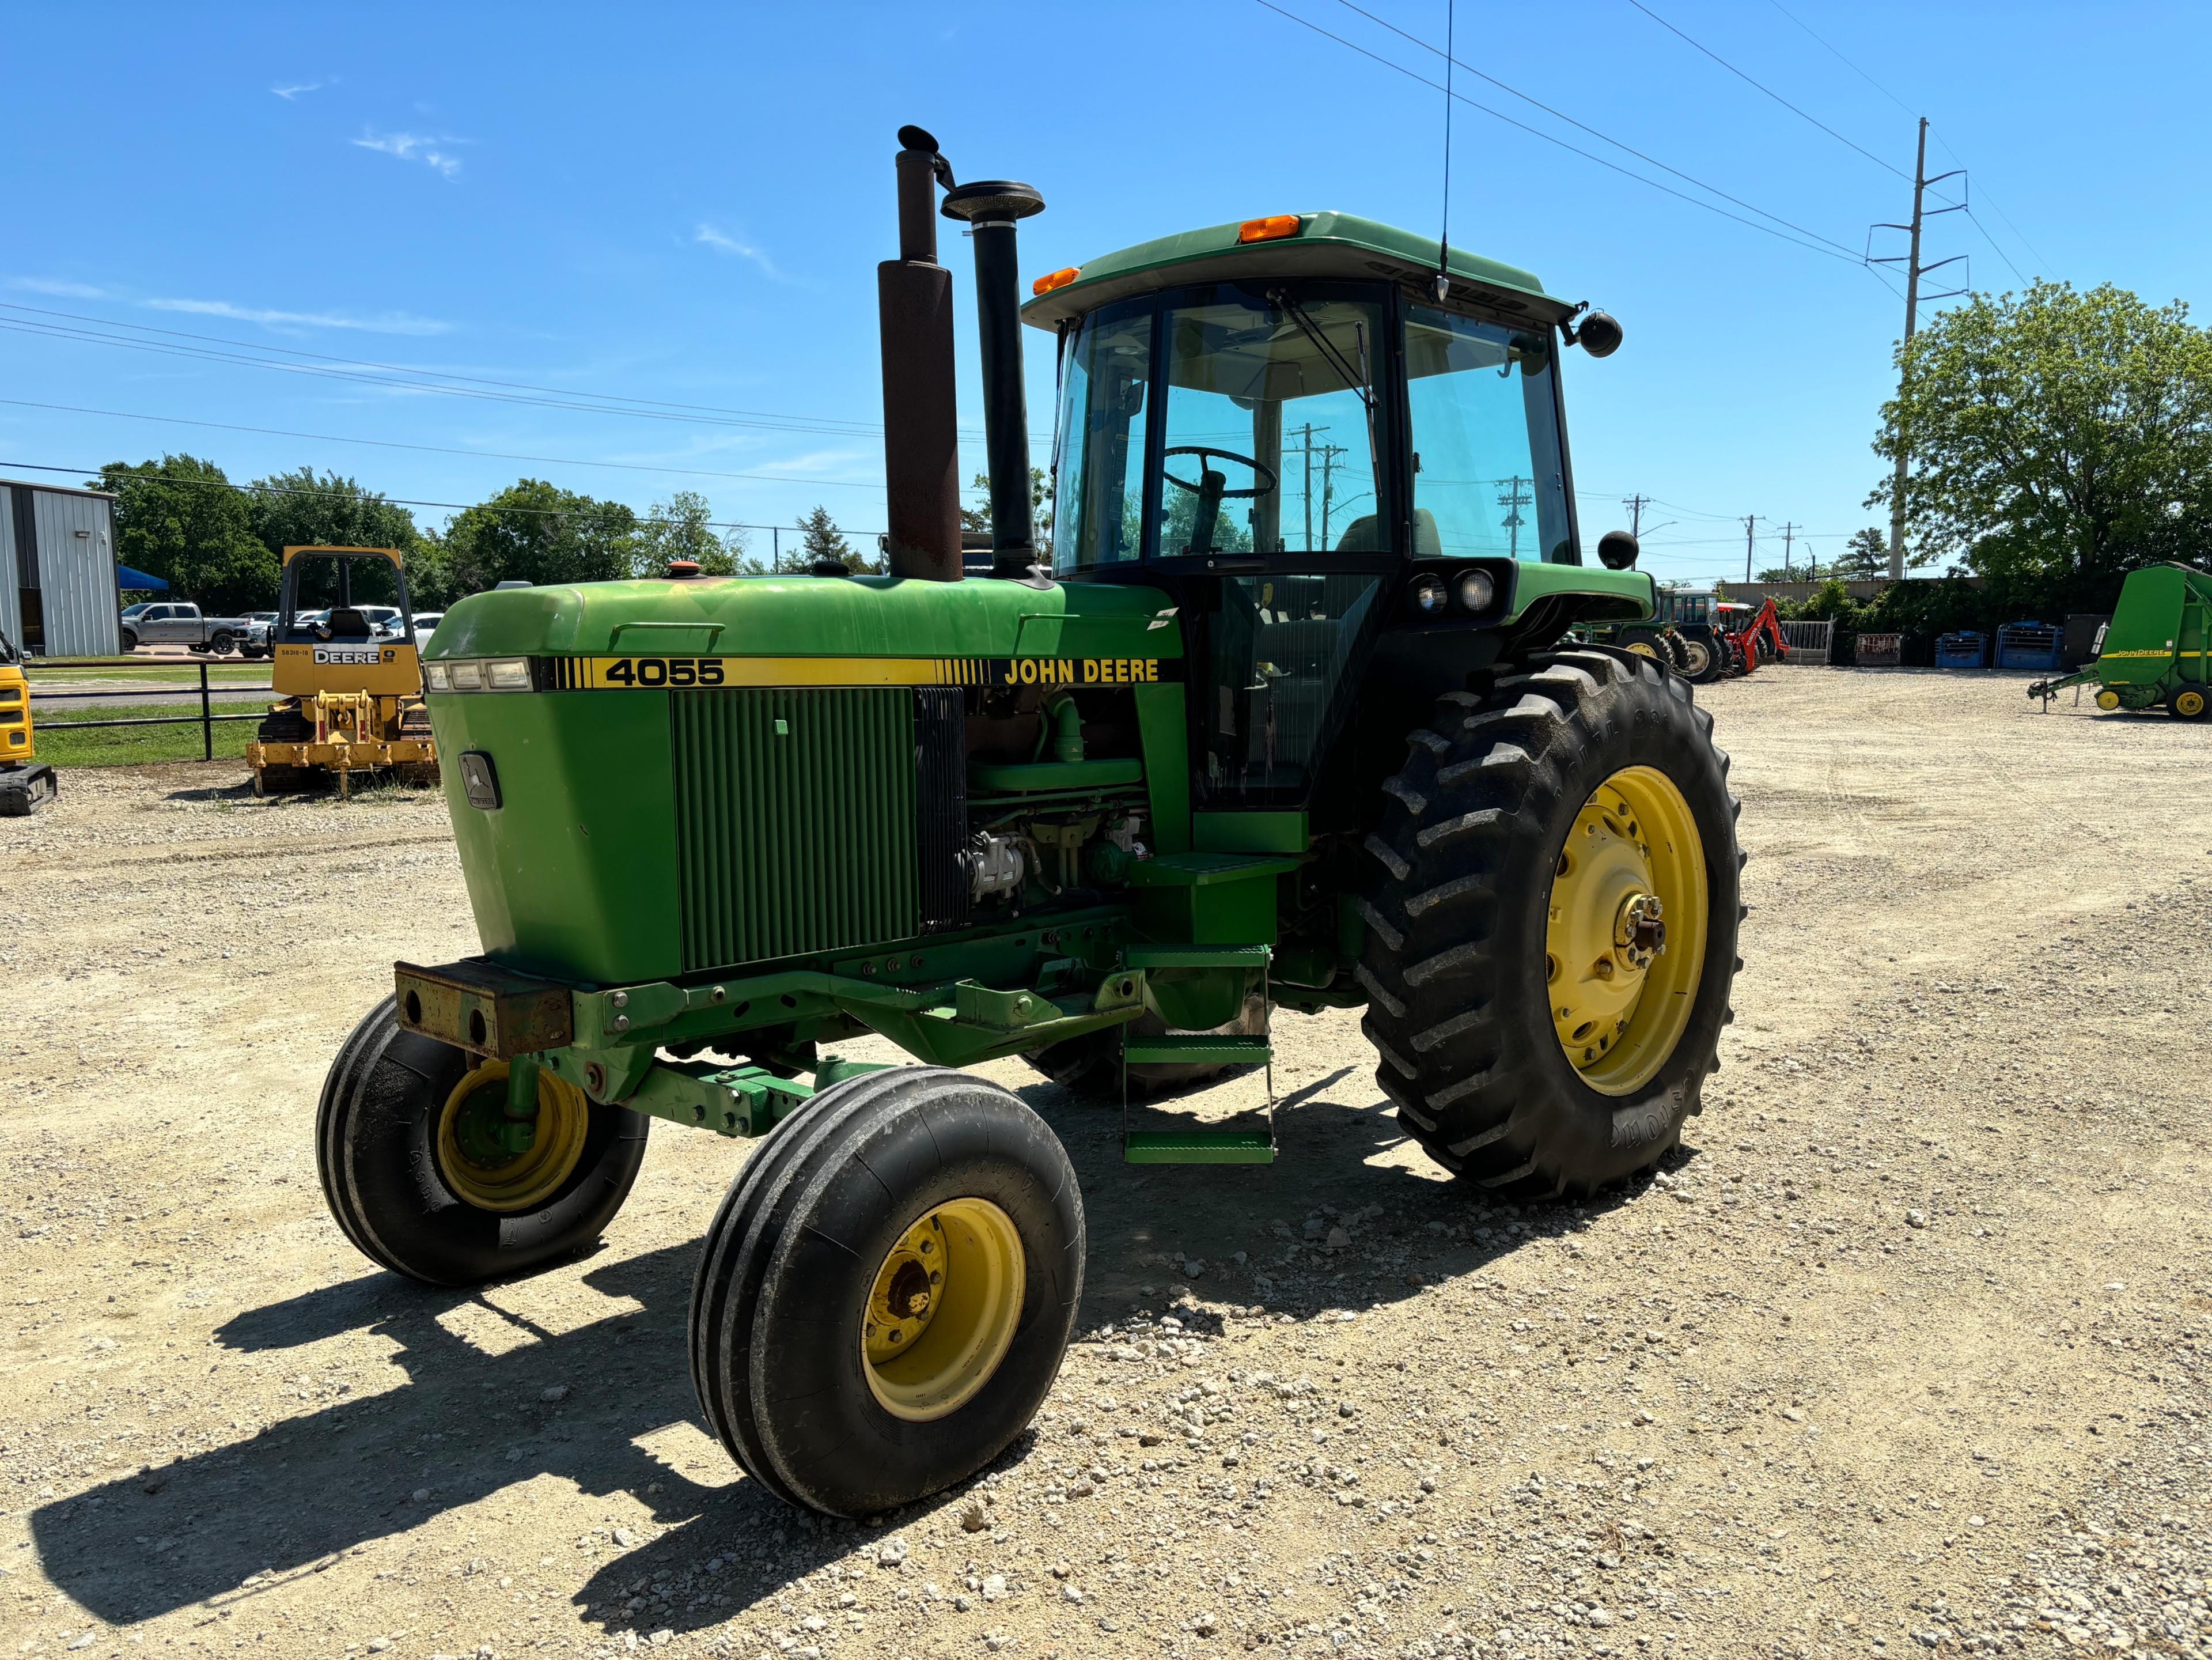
991 209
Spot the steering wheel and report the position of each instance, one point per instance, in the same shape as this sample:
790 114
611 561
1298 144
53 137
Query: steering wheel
1202 451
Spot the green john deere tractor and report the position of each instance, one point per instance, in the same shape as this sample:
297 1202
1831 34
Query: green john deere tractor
1282 717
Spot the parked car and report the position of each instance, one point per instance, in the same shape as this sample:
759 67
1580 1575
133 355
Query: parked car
426 624
178 622
257 624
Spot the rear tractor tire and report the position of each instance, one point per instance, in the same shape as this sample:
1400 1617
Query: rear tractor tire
2187 702
412 1179
1552 925
886 1294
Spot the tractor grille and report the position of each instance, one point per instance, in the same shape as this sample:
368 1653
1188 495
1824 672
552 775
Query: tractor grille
795 821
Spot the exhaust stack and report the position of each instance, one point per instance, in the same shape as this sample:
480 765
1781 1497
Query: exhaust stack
921 440
991 209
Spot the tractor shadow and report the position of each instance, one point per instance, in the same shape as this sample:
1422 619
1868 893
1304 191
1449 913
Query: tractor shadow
467 1424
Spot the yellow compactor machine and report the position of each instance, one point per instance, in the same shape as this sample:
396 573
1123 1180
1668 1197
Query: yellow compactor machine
348 676
26 781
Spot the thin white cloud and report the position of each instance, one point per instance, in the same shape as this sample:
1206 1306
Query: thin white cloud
288 93
383 323
736 246
817 460
415 146
60 290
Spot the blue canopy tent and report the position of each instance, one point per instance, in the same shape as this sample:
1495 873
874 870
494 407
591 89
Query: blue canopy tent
130 580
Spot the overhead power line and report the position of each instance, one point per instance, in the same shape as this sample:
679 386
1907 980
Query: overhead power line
1848 143
1581 127
376 499
1820 244
179 342
443 449
1855 69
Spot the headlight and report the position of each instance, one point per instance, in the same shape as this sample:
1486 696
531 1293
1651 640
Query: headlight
507 674
1476 590
435 679
468 676
1426 596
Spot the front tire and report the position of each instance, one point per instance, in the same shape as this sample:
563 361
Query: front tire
1702 661
395 1168
825 1247
1526 1046
129 641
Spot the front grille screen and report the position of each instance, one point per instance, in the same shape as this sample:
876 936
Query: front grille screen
795 821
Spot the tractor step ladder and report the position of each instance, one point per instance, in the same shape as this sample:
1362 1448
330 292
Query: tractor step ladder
1210 1146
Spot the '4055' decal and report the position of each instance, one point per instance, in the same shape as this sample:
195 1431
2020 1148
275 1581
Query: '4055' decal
637 673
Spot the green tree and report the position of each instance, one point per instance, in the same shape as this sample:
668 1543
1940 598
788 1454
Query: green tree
680 528
1865 556
2057 439
181 520
978 518
302 508
537 532
820 538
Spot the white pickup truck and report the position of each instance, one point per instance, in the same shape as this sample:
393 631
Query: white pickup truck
178 622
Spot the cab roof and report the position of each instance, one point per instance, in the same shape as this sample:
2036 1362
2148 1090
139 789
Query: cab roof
1342 246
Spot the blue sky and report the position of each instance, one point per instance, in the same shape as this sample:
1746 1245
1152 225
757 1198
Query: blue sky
685 206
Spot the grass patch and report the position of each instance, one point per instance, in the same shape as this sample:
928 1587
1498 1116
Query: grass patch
132 746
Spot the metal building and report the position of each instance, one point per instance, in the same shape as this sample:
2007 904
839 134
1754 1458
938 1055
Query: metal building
57 576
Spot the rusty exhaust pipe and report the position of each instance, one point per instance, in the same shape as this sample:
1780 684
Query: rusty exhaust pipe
921 438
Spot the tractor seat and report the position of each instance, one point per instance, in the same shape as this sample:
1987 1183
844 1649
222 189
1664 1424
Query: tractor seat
344 623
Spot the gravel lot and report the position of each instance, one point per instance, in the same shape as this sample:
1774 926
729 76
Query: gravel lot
1906 1349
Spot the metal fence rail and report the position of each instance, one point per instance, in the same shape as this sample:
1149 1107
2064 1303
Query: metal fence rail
1809 643
205 720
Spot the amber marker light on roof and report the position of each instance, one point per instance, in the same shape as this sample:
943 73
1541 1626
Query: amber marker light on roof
1266 230
1056 279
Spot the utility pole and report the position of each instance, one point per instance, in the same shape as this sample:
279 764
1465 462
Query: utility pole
1750 540
1635 504
1306 433
1914 271
1328 454
1789 539
1513 498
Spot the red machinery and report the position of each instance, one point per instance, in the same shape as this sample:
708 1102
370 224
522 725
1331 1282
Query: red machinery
1754 636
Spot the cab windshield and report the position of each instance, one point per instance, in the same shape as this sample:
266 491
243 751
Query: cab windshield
1295 421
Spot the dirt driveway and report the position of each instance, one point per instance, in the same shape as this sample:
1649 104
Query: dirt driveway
1906 1349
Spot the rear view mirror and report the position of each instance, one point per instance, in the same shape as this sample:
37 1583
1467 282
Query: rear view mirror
1616 551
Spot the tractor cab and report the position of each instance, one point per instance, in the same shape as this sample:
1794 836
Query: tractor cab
1283 424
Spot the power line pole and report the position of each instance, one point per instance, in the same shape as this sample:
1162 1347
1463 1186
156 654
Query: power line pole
1914 271
1635 504
1513 498
1789 539
1750 540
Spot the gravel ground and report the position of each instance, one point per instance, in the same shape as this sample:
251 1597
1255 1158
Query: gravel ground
1904 1349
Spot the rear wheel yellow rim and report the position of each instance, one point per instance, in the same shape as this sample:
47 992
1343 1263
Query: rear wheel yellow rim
1644 648
2189 703
1626 931
485 1175
942 1311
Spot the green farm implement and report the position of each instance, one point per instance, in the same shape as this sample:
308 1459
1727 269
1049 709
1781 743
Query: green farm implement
1285 717
2157 649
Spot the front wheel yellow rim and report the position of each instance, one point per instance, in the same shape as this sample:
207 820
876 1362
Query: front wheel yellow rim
1626 933
942 1311
2108 699
485 1174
